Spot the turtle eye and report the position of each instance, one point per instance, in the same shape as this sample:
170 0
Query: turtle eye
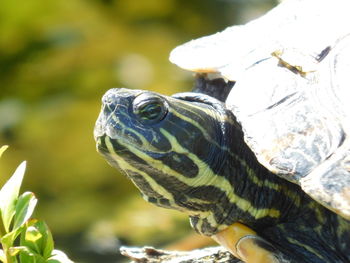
149 108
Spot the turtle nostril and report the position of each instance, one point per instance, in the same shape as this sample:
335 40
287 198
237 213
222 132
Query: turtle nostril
109 97
108 109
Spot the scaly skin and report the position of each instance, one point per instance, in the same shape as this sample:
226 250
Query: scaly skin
188 153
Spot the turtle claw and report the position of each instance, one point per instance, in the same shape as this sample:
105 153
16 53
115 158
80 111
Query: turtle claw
253 248
245 244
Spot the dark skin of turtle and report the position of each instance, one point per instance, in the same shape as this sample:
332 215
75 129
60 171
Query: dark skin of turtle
216 88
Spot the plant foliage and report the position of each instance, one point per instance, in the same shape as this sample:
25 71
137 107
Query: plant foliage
23 239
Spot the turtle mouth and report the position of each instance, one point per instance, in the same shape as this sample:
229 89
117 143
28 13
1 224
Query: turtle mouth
109 126
100 129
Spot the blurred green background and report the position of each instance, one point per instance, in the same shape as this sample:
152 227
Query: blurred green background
57 58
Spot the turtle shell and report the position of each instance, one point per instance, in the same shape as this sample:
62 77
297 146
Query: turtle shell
291 92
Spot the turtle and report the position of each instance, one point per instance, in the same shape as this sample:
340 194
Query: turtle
258 153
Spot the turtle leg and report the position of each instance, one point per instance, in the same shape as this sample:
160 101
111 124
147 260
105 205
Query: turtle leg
245 244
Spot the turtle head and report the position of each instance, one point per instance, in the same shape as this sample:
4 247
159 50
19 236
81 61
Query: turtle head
166 145
187 152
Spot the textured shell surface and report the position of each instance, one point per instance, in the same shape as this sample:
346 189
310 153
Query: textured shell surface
291 96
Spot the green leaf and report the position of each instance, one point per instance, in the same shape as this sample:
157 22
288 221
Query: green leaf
24 209
2 149
27 256
29 236
47 244
33 235
9 194
2 256
14 251
38 237
2 229
8 239
32 238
